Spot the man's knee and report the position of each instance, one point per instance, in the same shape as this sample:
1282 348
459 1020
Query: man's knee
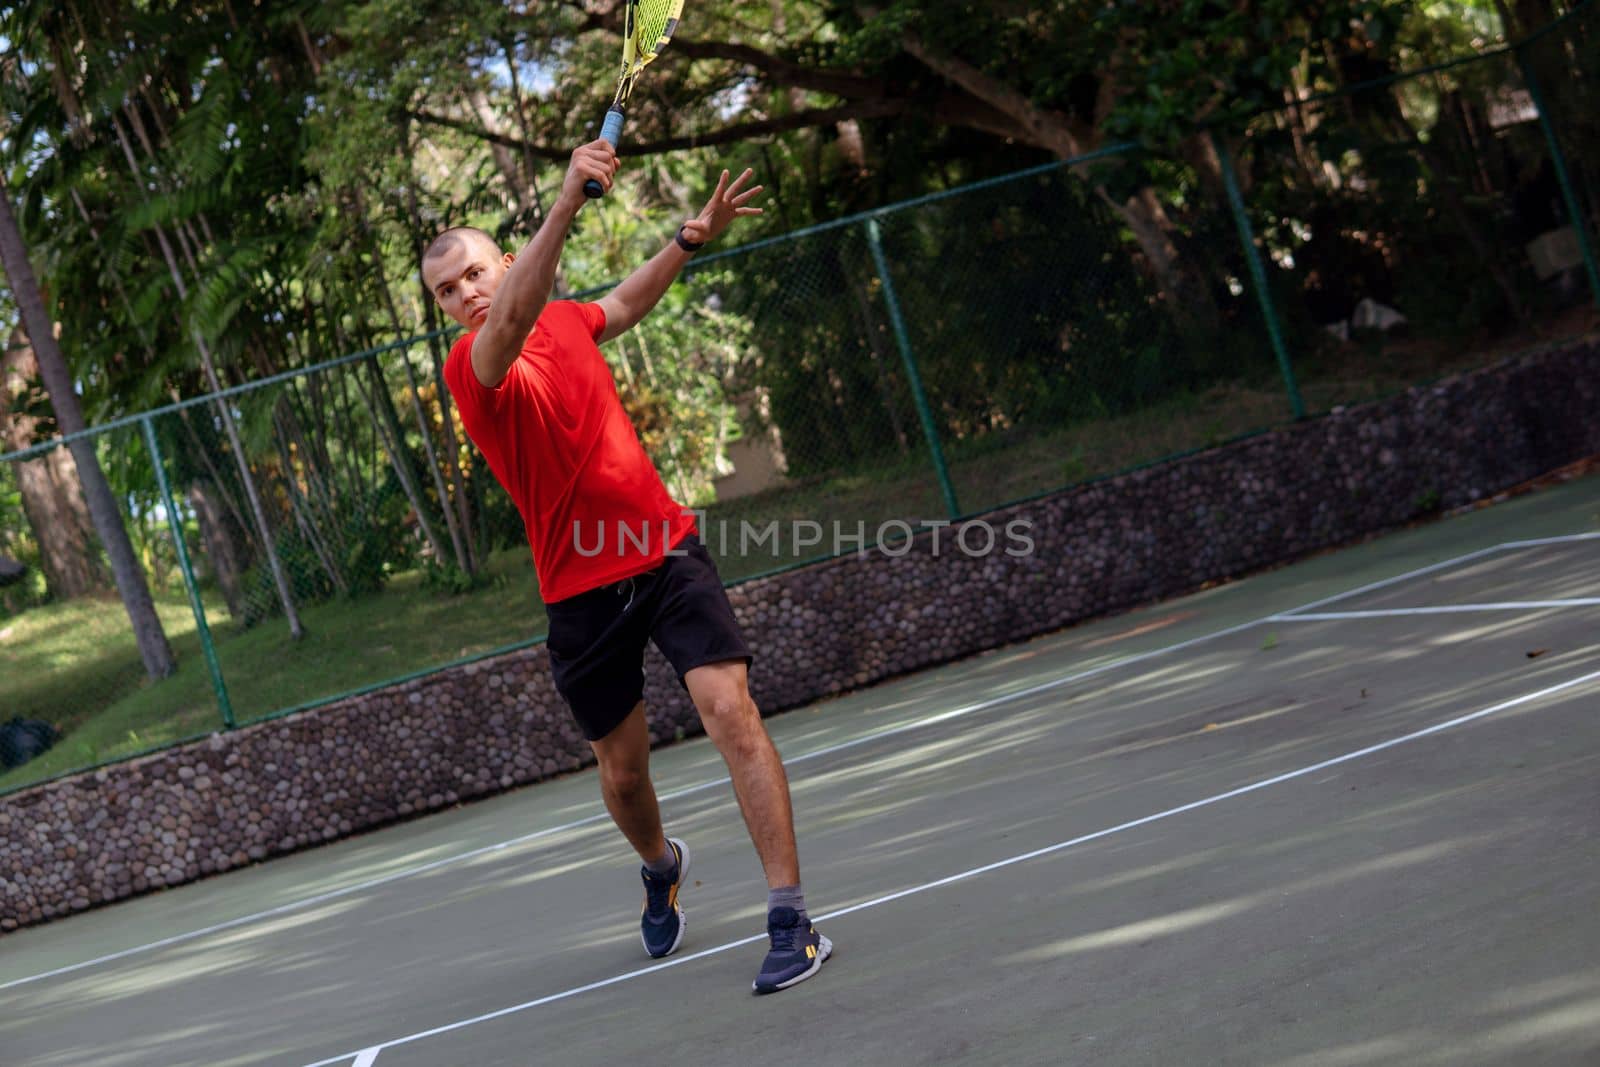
734 725
732 710
623 779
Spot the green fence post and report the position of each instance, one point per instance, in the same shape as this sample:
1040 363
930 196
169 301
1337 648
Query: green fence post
206 646
903 340
1574 214
1258 275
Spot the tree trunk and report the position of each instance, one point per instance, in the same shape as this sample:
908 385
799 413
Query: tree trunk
882 360
52 496
461 545
1182 289
147 630
518 173
227 549
1527 16
302 510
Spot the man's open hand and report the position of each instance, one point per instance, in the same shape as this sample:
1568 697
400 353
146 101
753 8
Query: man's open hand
726 204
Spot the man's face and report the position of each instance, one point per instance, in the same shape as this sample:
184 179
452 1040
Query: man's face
463 275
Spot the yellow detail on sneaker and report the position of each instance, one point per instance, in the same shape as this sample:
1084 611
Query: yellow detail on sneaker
811 952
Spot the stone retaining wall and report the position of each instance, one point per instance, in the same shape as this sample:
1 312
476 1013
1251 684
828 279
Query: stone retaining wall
278 786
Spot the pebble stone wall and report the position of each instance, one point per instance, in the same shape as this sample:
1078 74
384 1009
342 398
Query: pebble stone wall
272 788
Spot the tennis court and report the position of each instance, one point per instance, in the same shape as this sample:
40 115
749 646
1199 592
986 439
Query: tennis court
1344 812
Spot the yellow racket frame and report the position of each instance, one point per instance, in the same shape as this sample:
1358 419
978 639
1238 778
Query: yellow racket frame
647 27
656 18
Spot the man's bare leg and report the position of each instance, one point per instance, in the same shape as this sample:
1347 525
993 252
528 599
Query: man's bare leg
624 756
721 693
630 797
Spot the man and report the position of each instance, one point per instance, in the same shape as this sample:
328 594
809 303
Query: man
618 561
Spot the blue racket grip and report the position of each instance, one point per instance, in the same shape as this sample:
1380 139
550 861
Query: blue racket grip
611 133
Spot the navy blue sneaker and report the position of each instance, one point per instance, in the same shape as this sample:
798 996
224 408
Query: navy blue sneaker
797 953
662 924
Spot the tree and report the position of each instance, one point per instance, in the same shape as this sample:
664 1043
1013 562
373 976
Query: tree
147 629
133 155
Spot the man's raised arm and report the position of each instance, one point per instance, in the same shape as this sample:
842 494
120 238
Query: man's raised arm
640 291
525 289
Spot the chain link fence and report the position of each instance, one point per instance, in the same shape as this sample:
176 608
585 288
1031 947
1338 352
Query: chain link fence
326 531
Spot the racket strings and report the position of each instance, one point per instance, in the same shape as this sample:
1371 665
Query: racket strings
647 27
653 23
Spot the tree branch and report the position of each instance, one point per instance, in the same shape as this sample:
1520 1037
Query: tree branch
959 109
726 135
798 120
492 137
1047 129
783 72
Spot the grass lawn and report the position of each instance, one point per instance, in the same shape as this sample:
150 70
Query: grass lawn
75 663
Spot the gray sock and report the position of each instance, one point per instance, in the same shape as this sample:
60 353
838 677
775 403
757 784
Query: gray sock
787 896
666 864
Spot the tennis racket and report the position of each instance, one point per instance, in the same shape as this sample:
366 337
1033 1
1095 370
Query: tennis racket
647 27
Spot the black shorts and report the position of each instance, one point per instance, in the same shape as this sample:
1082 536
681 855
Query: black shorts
597 638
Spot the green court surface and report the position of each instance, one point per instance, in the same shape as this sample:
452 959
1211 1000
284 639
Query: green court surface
1345 812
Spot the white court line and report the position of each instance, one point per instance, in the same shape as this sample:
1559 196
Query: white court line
1372 587
369 1054
373 883
1557 540
1384 583
1443 609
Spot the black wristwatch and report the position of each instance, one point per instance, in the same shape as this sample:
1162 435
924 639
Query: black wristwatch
686 244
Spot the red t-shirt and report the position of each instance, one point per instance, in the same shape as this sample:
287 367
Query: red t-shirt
556 436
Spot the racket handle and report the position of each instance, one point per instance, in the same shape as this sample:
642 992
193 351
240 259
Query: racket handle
611 133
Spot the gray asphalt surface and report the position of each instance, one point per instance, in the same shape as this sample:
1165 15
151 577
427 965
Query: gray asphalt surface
1213 834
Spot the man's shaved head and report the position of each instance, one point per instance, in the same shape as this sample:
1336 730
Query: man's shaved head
454 238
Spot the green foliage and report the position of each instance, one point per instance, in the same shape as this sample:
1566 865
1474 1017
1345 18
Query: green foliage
298 155
353 557
444 577
1034 316
1148 71
378 541
30 590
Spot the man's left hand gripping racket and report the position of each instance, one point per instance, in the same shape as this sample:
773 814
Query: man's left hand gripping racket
646 29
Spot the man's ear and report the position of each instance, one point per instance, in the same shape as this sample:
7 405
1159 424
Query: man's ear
510 258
